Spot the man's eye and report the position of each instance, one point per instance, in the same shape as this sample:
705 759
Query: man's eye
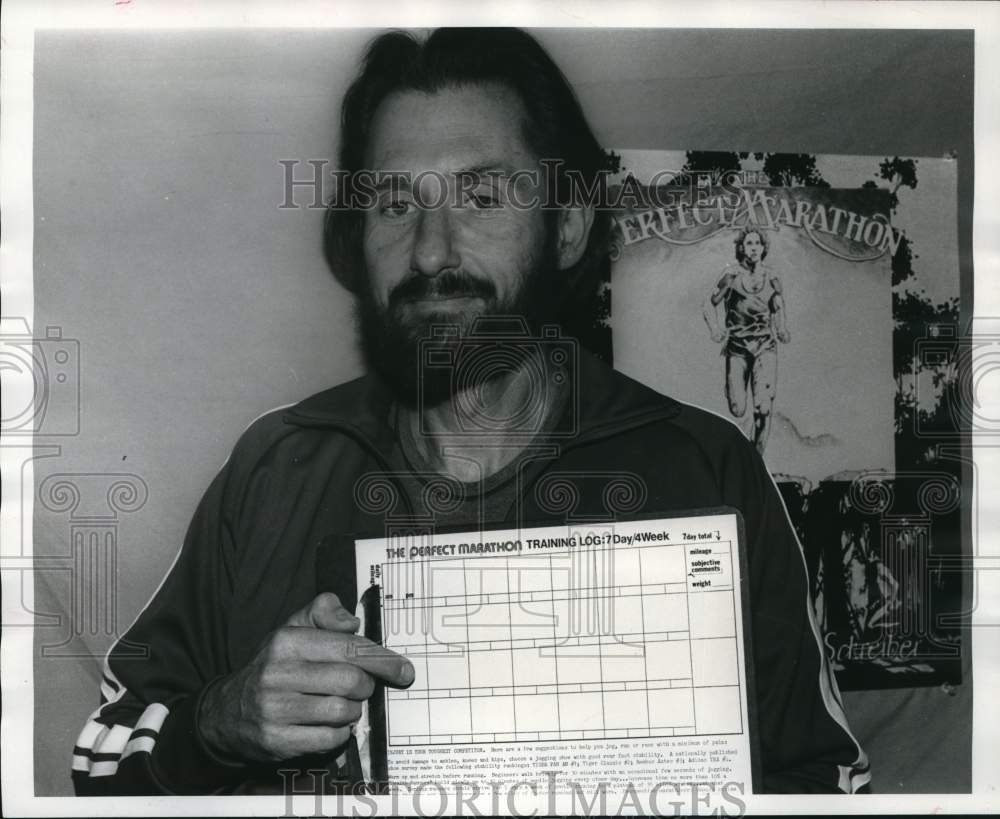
483 201
395 208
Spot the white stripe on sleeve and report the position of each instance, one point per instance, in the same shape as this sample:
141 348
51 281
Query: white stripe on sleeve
138 744
152 718
89 734
113 742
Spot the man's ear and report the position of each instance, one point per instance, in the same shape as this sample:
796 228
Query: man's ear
574 230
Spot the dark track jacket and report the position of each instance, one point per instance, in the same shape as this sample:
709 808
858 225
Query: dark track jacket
268 536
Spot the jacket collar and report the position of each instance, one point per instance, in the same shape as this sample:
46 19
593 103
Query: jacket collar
607 402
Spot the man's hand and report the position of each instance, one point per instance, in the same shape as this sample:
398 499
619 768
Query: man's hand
784 336
719 337
302 691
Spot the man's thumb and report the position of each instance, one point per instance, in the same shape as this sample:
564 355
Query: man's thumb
326 612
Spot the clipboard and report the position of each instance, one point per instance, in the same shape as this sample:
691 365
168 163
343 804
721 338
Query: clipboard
404 594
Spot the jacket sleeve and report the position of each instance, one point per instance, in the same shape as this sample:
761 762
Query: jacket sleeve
143 739
805 741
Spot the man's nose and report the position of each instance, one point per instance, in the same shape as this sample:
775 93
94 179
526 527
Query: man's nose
433 246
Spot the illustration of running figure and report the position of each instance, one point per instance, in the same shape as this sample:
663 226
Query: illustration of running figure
746 314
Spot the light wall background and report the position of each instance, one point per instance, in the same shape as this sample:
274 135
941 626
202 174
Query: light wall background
199 304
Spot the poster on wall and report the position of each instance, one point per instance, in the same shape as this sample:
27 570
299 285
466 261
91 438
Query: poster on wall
814 302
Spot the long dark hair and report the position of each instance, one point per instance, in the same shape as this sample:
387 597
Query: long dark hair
554 128
741 253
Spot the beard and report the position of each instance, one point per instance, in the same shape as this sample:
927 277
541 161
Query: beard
420 356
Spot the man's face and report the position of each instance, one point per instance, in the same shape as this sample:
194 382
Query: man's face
753 247
439 250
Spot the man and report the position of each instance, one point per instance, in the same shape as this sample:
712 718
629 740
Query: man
746 313
255 664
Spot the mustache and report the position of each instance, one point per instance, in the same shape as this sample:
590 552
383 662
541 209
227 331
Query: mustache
449 284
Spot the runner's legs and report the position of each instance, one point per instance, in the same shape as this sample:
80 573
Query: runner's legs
763 381
737 378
